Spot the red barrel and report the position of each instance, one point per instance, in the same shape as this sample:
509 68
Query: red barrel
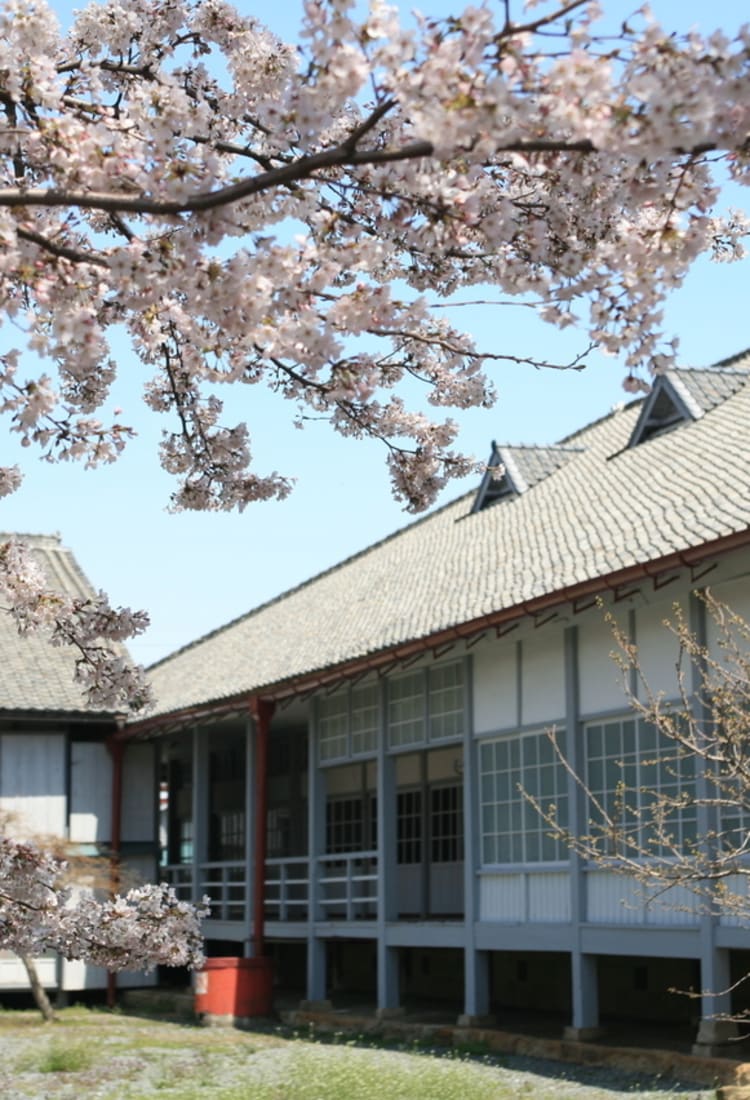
234 987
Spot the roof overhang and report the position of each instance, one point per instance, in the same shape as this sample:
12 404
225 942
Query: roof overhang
617 582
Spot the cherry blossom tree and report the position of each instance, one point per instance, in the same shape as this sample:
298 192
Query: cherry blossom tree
252 213
41 911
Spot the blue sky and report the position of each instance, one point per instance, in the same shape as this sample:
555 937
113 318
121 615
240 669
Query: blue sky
195 572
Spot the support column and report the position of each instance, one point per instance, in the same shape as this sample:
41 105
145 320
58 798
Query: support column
585 982
199 808
583 968
715 1031
249 834
476 1011
389 993
316 986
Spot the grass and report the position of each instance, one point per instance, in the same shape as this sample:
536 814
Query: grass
93 1054
57 1057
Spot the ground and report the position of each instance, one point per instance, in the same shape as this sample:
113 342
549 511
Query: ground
95 1054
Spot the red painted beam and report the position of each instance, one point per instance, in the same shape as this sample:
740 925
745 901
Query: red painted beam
262 712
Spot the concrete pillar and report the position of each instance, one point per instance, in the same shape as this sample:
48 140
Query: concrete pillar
715 1030
199 808
583 967
476 963
585 985
316 808
477 990
388 993
316 975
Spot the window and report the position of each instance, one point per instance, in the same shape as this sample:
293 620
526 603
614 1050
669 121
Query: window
635 771
426 705
348 722
406 710
409 826
446 824
446 701
512 829
333 726
351 823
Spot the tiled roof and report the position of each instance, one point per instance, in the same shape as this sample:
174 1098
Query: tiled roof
608 507
34 675
536 463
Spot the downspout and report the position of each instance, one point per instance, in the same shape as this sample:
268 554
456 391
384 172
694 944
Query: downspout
116 749
262 713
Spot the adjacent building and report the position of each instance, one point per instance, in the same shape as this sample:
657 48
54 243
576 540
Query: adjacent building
56 766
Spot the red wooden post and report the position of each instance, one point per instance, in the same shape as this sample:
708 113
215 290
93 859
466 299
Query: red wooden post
262 712
116 749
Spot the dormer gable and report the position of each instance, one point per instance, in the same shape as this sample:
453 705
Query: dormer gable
669 404
502 479
514 470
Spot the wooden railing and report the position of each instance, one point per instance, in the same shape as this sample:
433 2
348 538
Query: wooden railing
349 885
287 888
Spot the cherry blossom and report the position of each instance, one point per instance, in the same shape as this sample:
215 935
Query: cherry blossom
145 928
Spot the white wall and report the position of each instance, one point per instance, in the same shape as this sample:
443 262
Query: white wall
600 679
90 792
33 782
495 686
542 677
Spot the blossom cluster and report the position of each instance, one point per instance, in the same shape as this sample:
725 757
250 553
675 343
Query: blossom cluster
147 927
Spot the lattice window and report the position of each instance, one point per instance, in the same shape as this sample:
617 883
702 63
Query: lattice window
446 701
446 824
333 726
631 770
351 823
365 713
409 826
512 829
426 705
406 710
348 723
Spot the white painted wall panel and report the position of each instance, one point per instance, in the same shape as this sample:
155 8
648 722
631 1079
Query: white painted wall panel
617 899
13 974
138 793
549 896
527 897
657 648
90 792
495 687
502 897
33 781
736 885
79 975
543 677
734 593
600 678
